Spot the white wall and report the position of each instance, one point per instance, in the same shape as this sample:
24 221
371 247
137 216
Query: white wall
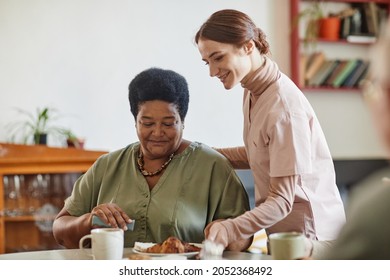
80 55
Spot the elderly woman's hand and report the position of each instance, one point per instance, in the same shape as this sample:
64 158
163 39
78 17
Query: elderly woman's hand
112 215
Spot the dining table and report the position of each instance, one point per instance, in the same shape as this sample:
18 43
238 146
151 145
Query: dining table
128 253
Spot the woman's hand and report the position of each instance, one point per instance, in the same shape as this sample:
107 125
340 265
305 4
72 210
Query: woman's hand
112 215
217 233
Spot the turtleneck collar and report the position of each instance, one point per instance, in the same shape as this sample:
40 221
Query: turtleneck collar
258 81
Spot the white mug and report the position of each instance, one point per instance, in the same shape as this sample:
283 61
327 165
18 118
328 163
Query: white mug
287 245
107 243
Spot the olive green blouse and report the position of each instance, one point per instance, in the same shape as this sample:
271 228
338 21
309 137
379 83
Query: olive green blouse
198 186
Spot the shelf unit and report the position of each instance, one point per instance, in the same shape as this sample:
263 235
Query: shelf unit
30 228
297 45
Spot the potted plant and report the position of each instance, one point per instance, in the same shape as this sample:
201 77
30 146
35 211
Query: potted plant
36 127
311 15
317 24
329 27
72 140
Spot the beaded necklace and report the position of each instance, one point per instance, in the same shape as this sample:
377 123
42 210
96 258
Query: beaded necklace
141 163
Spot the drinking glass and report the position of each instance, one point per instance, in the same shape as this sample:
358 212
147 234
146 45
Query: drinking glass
11 195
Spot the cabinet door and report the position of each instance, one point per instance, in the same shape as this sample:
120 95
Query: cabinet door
30 204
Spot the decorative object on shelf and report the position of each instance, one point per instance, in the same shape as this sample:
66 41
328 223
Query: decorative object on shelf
311 16
72 140
329 28
36 127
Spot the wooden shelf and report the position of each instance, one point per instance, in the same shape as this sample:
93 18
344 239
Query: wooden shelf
30 161
297 43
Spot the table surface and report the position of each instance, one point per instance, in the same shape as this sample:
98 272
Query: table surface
77 254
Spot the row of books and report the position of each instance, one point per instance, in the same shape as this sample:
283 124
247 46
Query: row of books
336 73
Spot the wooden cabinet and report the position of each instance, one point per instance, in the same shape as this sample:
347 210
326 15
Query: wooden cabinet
343 48
34 181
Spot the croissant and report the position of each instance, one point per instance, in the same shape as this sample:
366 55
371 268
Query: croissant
173 245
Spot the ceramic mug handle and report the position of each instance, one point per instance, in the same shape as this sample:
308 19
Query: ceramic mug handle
81 244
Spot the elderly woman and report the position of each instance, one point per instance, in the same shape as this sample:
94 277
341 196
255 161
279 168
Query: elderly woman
168 185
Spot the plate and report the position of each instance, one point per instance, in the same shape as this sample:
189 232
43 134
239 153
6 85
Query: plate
139 248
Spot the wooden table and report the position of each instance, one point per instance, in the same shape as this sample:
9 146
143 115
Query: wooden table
77 254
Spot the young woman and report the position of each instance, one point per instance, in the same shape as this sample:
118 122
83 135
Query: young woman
284 144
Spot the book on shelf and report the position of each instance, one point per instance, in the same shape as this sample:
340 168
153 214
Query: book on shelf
357 75
347 79
316 60
361 38
345 27
321 74
334 65
343 74
361 78
329 81
371 17
350 22
303 62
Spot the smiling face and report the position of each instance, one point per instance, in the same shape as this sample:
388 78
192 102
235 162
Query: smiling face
159 128
227 62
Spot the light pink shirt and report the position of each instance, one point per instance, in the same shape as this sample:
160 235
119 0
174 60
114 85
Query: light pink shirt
283 137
